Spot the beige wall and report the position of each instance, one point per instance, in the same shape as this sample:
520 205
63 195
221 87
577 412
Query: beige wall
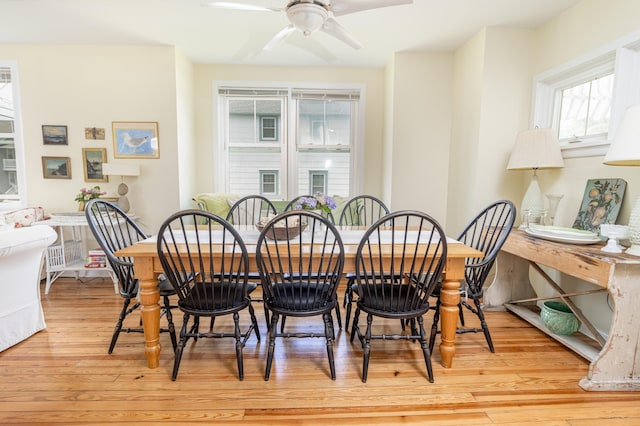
371 78
420 136
91 86
491 98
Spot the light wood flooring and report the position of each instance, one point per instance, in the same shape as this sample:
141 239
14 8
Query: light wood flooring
63 375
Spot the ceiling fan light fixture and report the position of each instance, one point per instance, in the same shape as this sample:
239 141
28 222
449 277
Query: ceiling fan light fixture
307 17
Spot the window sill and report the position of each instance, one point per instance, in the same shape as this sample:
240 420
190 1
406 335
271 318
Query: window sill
585 149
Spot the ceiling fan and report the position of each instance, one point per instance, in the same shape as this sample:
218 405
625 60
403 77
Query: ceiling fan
308 16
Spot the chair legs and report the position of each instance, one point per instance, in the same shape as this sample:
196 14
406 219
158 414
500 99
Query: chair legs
118 328
417 333
273 333
477 311
193 332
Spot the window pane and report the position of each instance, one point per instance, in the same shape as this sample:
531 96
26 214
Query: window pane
586 108
573 113
335 164
324 122
9 190
245 120
318 180
269 182
600 105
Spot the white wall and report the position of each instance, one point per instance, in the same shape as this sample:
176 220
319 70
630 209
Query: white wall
186 130
91 86
421 134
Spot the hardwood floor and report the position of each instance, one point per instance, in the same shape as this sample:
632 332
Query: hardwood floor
63 375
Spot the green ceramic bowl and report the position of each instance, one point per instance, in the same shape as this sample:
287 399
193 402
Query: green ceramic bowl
558 318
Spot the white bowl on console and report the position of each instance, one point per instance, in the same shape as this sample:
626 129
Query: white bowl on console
614 233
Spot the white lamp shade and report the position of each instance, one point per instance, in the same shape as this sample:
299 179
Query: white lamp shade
625 148
119 169
536 149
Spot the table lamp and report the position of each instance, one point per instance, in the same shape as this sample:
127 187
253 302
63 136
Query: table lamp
625 151
122 170
535 149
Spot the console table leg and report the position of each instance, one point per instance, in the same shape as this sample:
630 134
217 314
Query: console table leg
617 366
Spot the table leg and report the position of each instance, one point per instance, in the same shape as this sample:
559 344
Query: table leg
150 311
449 299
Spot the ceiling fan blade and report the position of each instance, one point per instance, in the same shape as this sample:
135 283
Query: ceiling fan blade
333 28
344 7
278 38
240 6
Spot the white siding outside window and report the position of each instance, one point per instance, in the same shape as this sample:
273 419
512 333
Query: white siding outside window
289 132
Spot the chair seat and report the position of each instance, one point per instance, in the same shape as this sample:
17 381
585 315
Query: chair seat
299 297
388 301
205 296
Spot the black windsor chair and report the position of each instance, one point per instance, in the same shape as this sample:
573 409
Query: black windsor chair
114 230
414 245
362 210
300 274
487 232
216 262
250 209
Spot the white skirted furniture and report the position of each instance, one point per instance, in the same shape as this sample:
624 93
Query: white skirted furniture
21 255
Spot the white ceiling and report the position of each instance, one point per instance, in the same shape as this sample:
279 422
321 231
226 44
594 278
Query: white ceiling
211 35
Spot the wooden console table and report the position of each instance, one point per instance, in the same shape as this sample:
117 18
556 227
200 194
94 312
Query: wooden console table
615 361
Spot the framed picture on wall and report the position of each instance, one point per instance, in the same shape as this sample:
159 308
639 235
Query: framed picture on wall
135 139
96 133
93 159
56 167
54 135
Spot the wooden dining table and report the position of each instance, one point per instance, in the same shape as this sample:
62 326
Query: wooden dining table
147 268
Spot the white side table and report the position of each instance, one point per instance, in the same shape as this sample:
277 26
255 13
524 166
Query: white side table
67 255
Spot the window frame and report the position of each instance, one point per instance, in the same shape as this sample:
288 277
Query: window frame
267 172
274 128
623 58
223 89
325 176
18 142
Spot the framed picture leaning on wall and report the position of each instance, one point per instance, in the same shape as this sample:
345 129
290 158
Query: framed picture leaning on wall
135 139
93 159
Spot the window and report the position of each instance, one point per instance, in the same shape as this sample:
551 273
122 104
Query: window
268 130
585 99
585 109
269 182
11 154
281 141
318 181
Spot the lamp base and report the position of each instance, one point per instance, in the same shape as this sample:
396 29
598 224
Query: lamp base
123 201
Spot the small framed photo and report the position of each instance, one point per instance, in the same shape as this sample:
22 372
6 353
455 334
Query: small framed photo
54 135
96 133
93 159
135 139
56 167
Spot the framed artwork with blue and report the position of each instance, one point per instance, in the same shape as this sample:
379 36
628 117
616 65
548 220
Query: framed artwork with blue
135 139
54 135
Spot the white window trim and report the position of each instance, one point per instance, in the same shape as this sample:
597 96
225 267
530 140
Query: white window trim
357 154
17 135
263 127
622 56
269 172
